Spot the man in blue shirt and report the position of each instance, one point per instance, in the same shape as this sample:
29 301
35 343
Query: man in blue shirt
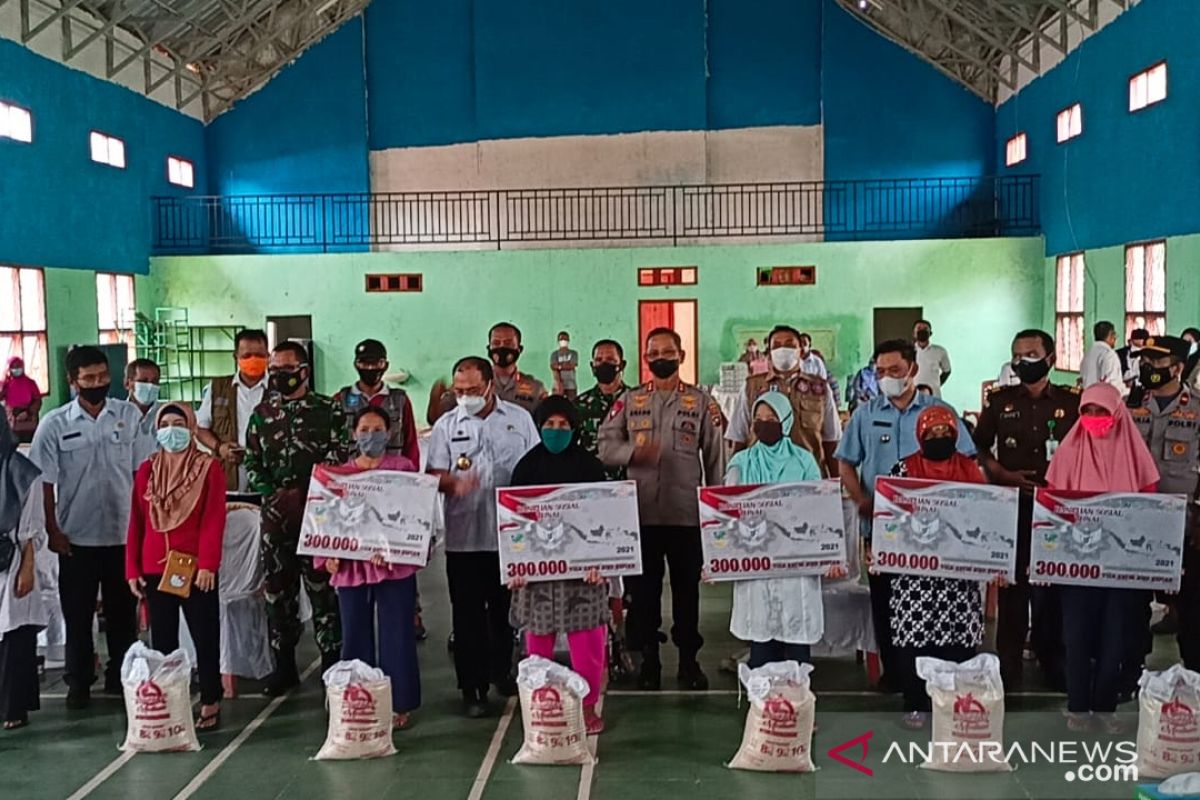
880 433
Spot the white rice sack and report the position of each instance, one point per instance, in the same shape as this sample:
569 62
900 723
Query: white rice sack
360 713
779 724
968 714
158 701
1168 741
552 713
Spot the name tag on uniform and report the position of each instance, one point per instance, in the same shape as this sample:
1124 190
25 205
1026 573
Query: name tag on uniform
879 423
461 439
69 436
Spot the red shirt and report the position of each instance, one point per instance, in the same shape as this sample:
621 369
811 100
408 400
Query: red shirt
201 535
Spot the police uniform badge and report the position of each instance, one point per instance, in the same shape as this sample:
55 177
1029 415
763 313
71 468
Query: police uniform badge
1011 441
688 402
640 400
1179 448
463 463
1059 413
641 439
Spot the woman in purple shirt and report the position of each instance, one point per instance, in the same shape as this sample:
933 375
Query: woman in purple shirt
368 588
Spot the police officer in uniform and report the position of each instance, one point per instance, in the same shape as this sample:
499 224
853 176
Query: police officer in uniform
512 385
668 434
1025 423
818 427
371 362
1168 417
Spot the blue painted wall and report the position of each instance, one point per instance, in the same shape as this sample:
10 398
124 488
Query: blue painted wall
305 131
57 207
1129 176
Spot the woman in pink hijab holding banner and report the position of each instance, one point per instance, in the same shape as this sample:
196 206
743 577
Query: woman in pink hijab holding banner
1103 453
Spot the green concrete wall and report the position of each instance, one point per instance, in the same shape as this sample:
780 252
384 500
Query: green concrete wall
976 292
71 318
1104 288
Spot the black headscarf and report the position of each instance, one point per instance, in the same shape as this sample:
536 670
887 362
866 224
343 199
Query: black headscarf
540 467
17 474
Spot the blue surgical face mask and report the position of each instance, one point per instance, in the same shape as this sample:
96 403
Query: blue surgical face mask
174 439
557 439
145 394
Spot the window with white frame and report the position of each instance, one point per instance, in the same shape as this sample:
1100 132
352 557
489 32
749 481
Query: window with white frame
1148 87
1068 311
1070 123
1146 287
16 123
115 308
23 322
108 150
181 172
1014 151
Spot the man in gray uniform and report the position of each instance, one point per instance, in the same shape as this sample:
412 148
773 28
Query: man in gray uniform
668 434
1168 417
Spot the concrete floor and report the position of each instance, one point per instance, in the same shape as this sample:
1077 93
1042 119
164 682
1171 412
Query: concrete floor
662 745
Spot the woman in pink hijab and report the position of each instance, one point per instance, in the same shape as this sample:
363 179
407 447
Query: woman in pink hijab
22 398
1103 453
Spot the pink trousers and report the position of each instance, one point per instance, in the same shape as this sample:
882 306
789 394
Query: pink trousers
589 655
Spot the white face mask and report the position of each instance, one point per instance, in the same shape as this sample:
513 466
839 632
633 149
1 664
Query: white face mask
564 343
785 359
146 393
894 387
472 404
1193 347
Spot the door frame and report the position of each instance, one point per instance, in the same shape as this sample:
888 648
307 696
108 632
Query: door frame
693 357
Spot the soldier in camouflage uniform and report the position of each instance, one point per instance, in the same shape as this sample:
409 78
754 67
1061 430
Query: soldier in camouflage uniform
608 362
293 430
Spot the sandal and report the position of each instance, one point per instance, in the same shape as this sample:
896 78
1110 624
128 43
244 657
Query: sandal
15 724
1078 722
208 722
400 721
914 720
593 721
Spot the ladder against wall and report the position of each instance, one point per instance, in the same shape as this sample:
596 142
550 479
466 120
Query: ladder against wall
189 355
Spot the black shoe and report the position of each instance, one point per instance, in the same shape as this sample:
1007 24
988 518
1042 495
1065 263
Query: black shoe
450 642
475 704
419 632
78 699
691 677
506 687
650 675
285 675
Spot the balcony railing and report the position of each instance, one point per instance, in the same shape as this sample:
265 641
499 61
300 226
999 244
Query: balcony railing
831 210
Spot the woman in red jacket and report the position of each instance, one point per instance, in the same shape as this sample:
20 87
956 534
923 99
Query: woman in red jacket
175 532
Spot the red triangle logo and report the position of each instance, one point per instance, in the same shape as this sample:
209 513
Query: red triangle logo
858 741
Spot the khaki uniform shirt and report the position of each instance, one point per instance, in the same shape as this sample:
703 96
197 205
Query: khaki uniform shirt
1173 435
524 390
686 423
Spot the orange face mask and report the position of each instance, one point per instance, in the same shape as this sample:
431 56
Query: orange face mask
253 366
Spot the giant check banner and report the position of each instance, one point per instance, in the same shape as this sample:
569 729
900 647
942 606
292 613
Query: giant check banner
945 529
356 515
771 530
1126 541
548 533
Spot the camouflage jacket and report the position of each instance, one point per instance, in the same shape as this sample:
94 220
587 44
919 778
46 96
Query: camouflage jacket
593 406
286 439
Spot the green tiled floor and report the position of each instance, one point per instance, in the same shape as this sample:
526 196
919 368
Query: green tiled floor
657 746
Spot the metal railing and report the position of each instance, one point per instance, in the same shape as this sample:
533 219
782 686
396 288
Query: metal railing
835 210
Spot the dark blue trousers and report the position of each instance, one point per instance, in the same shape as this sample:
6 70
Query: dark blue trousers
394 602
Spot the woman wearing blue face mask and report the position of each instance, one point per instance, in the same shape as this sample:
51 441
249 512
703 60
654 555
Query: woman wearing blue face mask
173 550
578 608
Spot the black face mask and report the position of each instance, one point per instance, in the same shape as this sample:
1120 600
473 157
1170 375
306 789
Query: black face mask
369 377
922 336
1155 377
938 449
769 432
606 372
1031 371
287 383
94 395
664 368
503 356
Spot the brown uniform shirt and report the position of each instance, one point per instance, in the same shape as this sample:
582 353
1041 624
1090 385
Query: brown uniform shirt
524 390
687 425
1020 425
